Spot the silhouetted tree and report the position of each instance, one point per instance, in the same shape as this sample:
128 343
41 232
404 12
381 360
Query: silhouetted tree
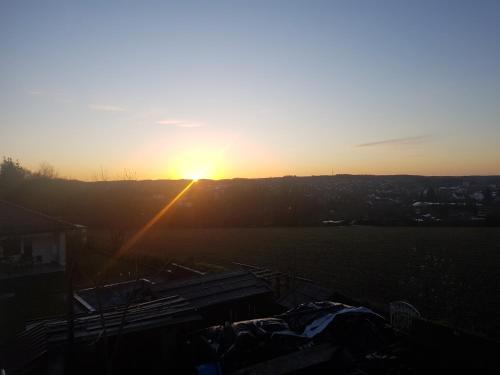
12 173
45 170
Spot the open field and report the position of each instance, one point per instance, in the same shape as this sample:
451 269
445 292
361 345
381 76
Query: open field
449 274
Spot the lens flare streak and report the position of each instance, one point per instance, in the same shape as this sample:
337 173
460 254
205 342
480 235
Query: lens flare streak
137 236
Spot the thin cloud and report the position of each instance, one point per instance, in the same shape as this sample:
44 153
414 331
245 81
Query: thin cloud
56 96
396 141
106 108
180 123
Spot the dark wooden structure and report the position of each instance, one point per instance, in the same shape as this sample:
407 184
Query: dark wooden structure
146 334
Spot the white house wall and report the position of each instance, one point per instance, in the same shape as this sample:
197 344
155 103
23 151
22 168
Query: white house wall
50 247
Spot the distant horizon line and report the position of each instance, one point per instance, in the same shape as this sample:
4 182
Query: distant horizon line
285 176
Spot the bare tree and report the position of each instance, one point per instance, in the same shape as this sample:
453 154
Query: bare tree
101 174
129 175
46 170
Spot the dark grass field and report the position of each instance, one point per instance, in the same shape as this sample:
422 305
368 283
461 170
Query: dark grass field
449 274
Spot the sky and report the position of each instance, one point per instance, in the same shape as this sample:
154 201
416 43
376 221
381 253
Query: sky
222 89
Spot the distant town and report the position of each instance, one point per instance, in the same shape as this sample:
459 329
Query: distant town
282 201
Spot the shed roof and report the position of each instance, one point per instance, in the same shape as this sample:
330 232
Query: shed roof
143 316
16 220
113 295
39 336
215 288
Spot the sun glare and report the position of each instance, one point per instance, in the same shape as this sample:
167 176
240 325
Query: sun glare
198 175
196 165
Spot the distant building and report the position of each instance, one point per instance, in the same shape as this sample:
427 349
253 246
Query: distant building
32 244
33 257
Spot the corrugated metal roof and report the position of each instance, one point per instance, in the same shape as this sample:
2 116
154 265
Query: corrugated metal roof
148 315
299 289
215 288
113 295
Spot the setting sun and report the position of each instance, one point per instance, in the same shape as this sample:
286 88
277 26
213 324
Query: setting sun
196 165
197 175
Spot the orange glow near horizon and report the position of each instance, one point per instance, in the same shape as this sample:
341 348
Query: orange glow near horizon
197 164
242 157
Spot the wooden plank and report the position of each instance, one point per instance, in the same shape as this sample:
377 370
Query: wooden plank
246 265
188 269
83 302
